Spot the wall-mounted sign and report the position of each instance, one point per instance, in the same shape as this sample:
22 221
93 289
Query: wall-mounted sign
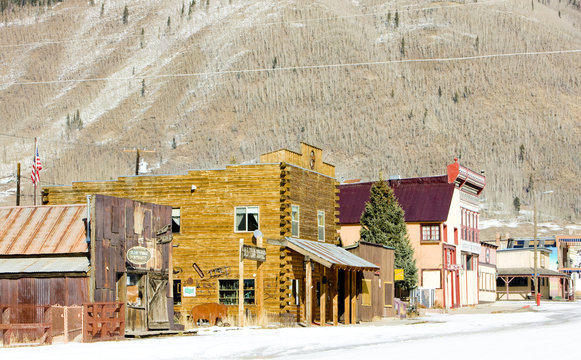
253 253
398 274
189 291
138 255
469 246
219 271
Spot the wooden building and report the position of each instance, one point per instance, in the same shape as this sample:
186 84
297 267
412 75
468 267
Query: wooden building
287 195
375 287
51 255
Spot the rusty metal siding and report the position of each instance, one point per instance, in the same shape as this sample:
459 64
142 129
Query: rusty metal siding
44 291
31 230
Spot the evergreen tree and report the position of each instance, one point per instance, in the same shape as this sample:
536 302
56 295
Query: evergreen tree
383 223
125 15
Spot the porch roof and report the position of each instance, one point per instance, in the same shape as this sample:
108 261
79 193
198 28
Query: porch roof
528 271
326 254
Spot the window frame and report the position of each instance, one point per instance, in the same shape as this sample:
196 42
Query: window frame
430 228
320 226
246 207
177 228
297 220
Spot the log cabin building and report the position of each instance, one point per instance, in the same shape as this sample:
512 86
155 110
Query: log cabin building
288 198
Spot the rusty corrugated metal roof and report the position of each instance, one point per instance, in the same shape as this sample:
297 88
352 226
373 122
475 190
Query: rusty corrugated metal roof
328 254
44 265
30 230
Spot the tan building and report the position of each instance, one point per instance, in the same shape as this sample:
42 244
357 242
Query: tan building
441 214
516 270
285 204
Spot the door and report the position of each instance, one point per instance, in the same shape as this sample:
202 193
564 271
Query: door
157 312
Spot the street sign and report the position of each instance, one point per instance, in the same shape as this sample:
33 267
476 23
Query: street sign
398 274
253 253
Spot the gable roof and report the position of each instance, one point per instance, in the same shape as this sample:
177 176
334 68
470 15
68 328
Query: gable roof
35 230
423 199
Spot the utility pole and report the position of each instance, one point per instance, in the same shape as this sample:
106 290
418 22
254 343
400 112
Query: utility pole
535 276
535 245
18 184
138 157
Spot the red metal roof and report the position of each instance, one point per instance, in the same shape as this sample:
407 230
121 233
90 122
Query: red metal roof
30 230
423 199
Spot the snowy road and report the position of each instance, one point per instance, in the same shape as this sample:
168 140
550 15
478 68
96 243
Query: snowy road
528 334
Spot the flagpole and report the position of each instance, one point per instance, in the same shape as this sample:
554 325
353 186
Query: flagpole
33 165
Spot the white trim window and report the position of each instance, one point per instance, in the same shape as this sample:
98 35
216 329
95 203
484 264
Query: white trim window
295 217
246 218
430 232
321 225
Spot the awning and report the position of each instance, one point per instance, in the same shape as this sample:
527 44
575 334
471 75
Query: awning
30 265
526 271
326 254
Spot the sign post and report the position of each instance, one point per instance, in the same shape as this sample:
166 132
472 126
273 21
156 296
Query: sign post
241 286
259 283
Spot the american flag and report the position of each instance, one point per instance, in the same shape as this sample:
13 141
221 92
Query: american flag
36 167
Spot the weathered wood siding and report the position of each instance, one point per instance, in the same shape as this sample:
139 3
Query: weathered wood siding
115 232
384 258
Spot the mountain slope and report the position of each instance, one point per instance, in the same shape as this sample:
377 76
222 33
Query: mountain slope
223 81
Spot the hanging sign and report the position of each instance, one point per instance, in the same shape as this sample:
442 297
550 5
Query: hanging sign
253 253
138 255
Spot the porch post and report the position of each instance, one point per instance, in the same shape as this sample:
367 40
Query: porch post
347 315
335 296
323 297
309 293
353 297
506 282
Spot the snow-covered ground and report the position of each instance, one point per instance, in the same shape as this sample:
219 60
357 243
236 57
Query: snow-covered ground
530 333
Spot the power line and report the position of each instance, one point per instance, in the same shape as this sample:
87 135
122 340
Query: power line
409 9
304 67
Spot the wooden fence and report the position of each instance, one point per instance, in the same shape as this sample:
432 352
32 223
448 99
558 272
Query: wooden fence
25 324
103 321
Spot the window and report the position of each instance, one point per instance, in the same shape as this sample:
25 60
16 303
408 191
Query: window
175 220
228 292
246 218
469 265
177 292
296 291
431 279
321 224
366 292
430 232
295 220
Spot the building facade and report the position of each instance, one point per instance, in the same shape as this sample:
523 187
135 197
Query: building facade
287 195
441 214
487 273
